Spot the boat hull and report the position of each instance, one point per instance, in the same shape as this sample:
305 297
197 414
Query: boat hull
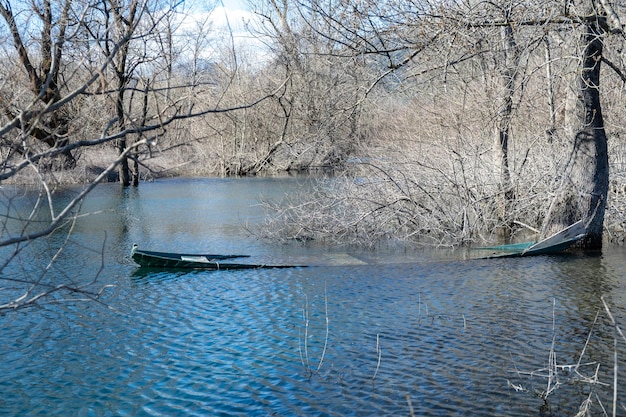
554 244
152 259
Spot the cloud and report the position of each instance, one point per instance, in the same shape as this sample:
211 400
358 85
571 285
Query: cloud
237 19
224 25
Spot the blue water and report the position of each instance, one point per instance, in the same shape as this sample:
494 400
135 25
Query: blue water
406 333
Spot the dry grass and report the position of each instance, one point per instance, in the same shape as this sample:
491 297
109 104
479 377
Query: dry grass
427 176
556 375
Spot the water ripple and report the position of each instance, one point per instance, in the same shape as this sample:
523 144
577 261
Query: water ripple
440 338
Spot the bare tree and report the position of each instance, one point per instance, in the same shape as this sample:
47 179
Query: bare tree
148 107
319 110
41 58
119 24
509 70
504 40
585 185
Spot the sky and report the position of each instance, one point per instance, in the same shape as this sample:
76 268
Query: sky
225 16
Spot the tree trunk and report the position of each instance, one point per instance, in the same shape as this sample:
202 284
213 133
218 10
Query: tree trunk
125 26
584 187
551 101
123 168
135 170
508 71
43 78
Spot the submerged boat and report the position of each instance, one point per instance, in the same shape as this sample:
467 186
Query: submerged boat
556 243
154 259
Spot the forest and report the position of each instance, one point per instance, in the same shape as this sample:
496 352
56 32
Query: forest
426 123
444 123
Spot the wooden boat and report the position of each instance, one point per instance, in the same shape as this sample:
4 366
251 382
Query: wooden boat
556 243
154 259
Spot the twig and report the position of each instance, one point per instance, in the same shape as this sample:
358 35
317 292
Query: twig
303 347
380 353
582 353
304 359
527 226
619 331
608 312
552 364
411 410
319 365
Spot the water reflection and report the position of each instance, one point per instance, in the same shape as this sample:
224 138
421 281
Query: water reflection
153 276
392 332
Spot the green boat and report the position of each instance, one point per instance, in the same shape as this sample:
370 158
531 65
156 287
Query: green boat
556 243
152 259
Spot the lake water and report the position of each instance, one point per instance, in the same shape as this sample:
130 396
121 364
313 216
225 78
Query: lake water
361 333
